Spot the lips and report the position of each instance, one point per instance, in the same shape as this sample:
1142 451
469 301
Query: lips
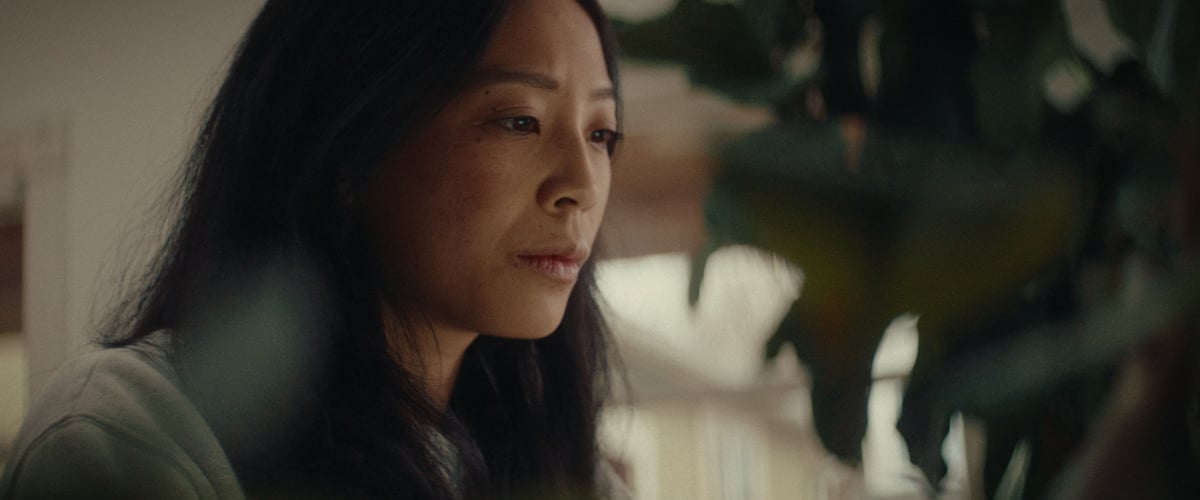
560 263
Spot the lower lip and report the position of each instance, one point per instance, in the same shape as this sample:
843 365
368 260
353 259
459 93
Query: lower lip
557 269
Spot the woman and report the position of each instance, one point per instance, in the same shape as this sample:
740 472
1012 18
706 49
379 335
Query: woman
380 284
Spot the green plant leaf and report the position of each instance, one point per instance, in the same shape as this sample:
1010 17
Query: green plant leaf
721 49
706 36
1136 18
1008 74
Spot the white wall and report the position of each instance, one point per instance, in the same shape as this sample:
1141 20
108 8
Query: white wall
12 389
127 81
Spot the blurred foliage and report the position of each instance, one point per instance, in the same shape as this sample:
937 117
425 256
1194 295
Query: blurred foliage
926 164
722 46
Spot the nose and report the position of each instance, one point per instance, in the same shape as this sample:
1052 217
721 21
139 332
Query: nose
576 182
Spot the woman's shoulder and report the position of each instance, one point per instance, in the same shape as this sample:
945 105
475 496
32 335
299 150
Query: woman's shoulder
109 383
117 418
128 389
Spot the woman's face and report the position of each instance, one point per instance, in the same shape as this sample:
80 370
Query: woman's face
487 214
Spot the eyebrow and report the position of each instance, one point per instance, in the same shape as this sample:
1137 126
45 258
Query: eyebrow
493 76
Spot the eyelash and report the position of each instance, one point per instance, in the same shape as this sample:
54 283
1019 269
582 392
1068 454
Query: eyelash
530 125
610 139
522 124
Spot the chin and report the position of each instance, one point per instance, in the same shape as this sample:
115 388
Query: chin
532 327
526 332
521 313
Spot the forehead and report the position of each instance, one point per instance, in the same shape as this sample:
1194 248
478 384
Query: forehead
554 37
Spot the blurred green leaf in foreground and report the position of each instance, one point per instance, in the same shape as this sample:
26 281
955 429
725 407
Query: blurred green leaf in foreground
967 161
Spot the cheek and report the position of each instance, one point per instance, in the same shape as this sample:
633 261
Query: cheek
604 188
490 184
448 180
604 180
449 188
461 199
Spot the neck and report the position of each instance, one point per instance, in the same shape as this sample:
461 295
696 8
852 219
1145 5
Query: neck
441 363
434 355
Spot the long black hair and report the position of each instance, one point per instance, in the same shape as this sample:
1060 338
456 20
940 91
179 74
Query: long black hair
266 288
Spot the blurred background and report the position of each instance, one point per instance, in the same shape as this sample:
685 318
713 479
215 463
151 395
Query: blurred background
829 217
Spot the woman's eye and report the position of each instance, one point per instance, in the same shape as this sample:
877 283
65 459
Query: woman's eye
521 124
608 138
